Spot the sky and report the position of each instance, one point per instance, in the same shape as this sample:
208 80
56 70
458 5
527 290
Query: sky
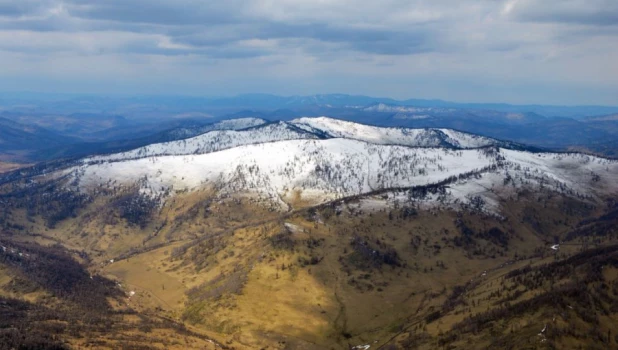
516 51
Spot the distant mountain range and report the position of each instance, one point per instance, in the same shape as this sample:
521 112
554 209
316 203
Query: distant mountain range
154 105
52 126
16 137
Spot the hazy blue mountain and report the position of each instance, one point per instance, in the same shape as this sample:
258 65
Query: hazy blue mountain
67 125
16 137
158 106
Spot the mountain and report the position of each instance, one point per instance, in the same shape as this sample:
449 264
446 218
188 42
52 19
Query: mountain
215 138
16 137
76 125
276 163
314 233
97 124
303 128
156 106
487 115
394 136
321 170
519 127
153 134
545 110
331 157
526 128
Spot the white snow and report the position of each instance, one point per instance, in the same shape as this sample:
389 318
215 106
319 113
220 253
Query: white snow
209 142
230 124
293 228
464 140
573 170
220 139
326 168
238 124
543 330
568 174
394 136
276 161
386 108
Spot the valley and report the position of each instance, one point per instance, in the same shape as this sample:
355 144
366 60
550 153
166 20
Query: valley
308 175
315 233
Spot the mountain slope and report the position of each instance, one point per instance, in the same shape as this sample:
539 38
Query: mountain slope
303 128
172 132
425 137
274 162
212 141
332 167
78 125
285 236
284 163
15 136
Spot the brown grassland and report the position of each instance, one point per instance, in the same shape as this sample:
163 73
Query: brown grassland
203 272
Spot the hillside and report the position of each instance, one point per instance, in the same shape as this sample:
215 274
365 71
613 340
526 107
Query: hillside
15 137
394 136
303 128
122 139
211 140
276 163
318 233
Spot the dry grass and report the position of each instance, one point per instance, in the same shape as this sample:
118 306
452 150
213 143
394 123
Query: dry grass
254 294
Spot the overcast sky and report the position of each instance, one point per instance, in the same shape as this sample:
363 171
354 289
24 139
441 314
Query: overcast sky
518 51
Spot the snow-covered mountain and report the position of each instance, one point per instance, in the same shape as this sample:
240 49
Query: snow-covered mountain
394 136
328 168
320 159
230 124
232 134
212 141
386 108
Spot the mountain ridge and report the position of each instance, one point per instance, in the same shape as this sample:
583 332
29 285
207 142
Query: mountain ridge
264 100
321 159
316 233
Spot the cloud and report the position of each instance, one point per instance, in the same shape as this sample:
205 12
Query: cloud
181 12
401 39
213 24
9 8
585 12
